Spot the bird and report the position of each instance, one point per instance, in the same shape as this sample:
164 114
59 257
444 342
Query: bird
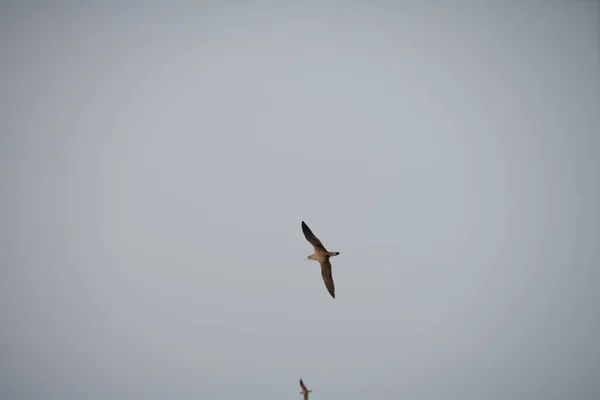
322 256
304 391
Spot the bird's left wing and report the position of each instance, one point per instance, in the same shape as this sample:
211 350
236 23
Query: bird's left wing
302 385
312 238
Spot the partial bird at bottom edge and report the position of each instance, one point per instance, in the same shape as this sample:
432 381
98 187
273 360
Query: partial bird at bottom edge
304 391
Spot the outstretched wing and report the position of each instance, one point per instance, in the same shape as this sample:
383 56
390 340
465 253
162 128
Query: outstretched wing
302 386
327 277
312 239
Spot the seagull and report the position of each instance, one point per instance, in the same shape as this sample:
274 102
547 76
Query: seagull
304 391
322 256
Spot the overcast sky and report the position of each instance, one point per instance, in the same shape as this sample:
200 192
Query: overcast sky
156 164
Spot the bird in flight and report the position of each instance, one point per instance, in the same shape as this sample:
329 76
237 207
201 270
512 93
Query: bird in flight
304 391
322 256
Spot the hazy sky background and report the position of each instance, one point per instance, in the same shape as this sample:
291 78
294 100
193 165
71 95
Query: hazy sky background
156 163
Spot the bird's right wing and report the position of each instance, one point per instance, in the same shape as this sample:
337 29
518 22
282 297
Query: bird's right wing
327 277
312 239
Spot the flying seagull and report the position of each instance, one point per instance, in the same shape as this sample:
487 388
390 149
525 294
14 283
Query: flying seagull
322 256
304 391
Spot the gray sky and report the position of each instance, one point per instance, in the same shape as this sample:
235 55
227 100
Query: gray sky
156 163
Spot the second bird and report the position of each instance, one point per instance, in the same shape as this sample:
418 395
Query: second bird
304 391
322 256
